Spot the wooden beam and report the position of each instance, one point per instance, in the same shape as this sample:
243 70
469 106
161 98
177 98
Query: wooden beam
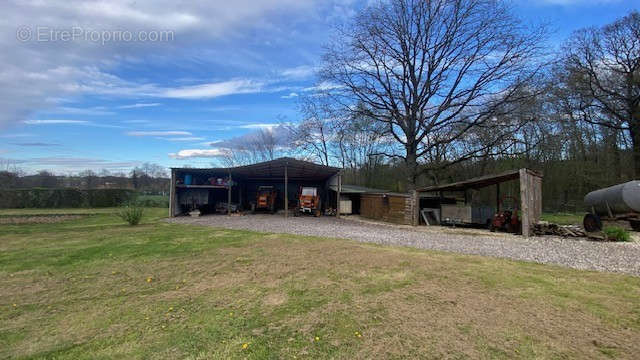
497 197
286 190
229 195
172 194
525 200
338 194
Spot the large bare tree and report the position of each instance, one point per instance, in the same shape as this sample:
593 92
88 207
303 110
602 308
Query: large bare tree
432 71
603 70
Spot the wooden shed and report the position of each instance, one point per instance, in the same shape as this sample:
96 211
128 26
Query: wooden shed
390 207
530 193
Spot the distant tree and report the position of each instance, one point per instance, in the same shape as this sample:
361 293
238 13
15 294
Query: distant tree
431 72
89 178
603 72
46 179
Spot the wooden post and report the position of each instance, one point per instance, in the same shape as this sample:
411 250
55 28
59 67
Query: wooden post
338 194
229 195
286 190
415 208
172 194
497 197
525 193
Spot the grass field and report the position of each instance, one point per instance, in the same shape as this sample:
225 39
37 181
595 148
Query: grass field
94 288
563 218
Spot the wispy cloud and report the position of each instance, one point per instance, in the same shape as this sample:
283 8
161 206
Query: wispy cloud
35 144
290 96
69 122
299 72
188 138
139 105
258 126
198 153
213 90
96 111
159 133
56 122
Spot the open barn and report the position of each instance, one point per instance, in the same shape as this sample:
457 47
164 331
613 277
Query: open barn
232 189
463 202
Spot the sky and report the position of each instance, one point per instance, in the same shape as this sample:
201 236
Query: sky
113 84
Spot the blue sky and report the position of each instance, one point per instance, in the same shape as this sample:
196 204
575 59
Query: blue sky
222 70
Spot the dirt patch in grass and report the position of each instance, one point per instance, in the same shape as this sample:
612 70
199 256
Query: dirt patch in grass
38 219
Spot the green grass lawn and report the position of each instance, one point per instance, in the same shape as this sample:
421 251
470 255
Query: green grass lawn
563 218
95 288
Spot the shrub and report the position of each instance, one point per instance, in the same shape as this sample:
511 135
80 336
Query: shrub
617 233
131 213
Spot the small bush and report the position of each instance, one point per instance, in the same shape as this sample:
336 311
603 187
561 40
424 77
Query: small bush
131 213
617 233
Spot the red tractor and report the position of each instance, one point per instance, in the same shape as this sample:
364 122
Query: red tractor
507 220
265 199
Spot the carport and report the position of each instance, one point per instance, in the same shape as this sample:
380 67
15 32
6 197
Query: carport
234 188
530 192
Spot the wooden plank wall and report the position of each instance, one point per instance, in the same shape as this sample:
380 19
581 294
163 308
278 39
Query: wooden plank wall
530 200
389 208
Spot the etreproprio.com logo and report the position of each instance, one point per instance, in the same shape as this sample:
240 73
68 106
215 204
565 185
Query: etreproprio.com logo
77 33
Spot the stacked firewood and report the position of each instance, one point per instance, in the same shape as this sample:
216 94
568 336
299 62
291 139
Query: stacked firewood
567 231
547 228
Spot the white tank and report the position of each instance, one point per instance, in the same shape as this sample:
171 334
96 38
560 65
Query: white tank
621 199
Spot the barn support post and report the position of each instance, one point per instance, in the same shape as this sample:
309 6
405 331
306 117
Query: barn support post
172 194
338 194
229 195
530 200
497 197
415 208
286 189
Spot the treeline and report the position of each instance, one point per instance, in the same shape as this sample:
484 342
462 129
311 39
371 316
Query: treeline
148 179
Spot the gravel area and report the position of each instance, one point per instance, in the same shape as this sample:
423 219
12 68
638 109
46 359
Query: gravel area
579 254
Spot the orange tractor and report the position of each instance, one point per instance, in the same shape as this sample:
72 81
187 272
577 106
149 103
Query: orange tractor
309 201
265 199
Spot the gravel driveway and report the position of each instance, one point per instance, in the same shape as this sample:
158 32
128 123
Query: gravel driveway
579 254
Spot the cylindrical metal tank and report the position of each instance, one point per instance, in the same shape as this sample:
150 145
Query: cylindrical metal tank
621 199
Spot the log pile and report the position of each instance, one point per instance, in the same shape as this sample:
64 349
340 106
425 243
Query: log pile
547 228
567 231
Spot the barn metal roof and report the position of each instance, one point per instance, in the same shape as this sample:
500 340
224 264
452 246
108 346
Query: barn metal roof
479 182
274 169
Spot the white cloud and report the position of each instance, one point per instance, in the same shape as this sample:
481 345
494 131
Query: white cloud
159 133
71 164
98 110
36 75
213 90
299 72
290 96
139 105
259 126
56 121
197 153
69 122
188 138
323 86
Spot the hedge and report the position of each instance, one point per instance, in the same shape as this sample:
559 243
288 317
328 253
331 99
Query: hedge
64 198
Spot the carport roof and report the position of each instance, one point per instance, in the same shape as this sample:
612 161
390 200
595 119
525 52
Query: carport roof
479 182
275 169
